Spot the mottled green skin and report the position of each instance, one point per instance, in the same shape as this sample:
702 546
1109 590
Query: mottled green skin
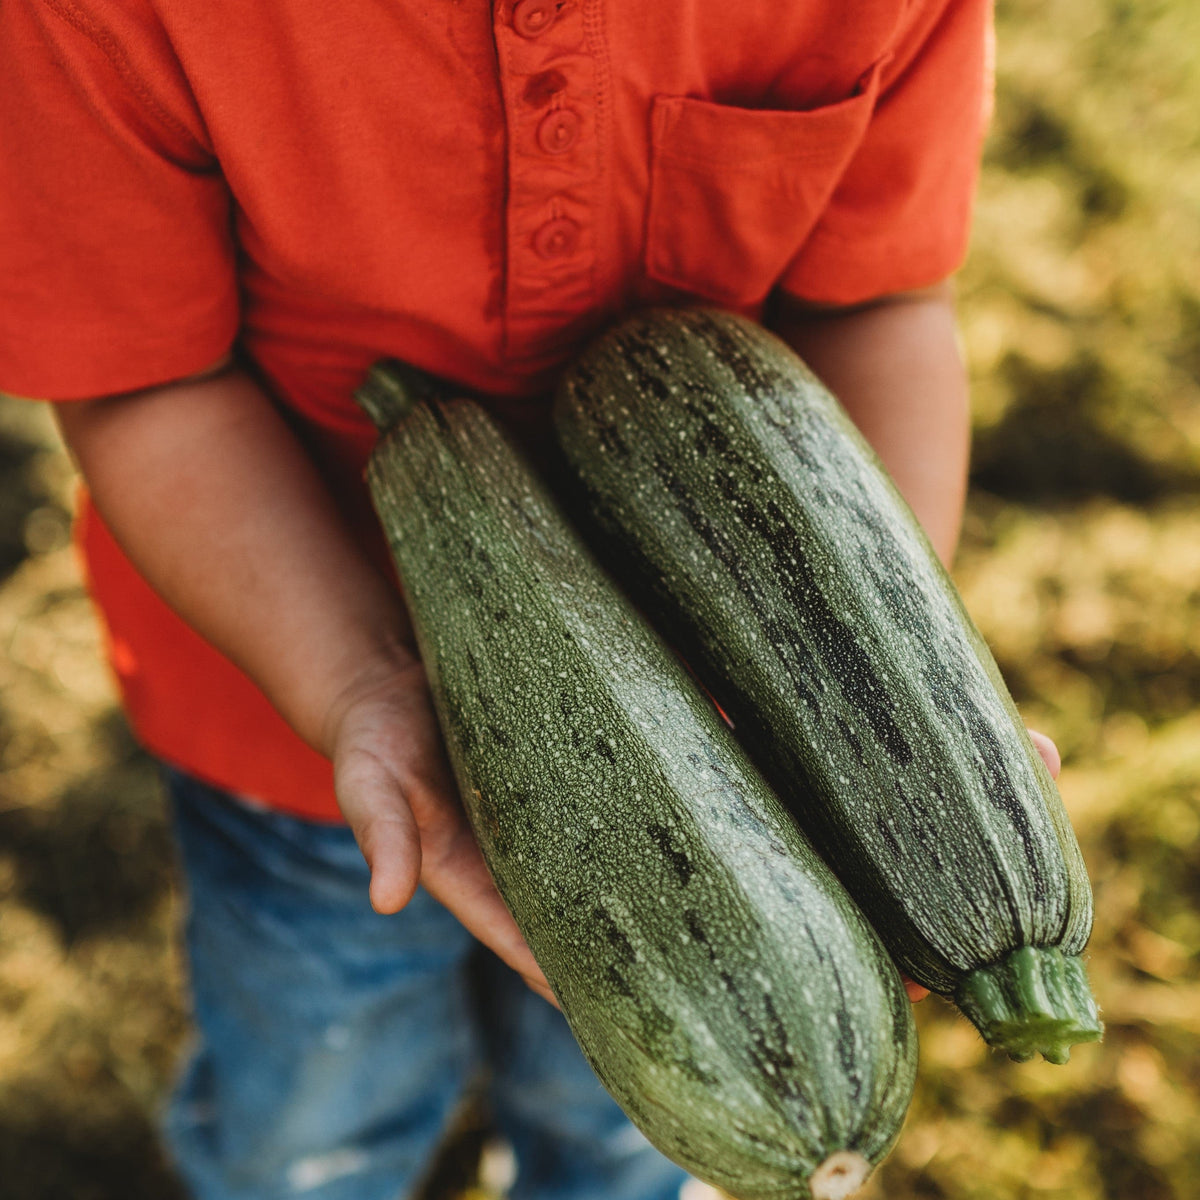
720 981
762 531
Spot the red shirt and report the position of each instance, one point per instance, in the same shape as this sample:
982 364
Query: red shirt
473 187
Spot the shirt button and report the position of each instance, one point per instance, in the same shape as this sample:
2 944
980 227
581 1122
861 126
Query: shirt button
559 131
533 17
557 239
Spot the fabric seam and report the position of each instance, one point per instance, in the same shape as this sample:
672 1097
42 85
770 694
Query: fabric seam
107 45
699 165
594 34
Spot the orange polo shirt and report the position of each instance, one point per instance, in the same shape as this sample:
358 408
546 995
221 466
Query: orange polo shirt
472 186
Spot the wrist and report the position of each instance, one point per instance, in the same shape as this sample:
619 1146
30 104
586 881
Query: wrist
217 504
366 678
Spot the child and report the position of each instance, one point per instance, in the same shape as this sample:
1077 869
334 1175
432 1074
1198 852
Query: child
213 219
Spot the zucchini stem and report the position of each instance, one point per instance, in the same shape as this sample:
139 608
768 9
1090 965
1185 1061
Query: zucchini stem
1034 1001
391 390
839 1176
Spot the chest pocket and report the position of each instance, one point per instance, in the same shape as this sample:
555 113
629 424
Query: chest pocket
734 192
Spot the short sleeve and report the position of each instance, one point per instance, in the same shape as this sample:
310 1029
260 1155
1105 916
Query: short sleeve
900 215
117 267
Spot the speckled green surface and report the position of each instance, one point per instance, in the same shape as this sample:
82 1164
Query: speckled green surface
760 526
720 982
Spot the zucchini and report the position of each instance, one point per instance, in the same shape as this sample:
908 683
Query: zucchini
722 984
757 524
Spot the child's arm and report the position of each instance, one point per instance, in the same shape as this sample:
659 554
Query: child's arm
218 506
895 365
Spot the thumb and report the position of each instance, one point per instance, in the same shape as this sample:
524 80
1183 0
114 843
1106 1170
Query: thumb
1049 752
373 803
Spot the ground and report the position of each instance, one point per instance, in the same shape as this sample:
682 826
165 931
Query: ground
1080 562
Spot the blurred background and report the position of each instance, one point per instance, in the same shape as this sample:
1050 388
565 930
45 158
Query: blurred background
1080 561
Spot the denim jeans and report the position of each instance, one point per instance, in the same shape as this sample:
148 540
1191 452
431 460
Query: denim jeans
332 1044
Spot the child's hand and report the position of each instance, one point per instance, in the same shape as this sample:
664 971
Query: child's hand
217 503
396 791
1049 752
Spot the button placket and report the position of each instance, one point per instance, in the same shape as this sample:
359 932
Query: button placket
559 130
558 238
547 77
531 18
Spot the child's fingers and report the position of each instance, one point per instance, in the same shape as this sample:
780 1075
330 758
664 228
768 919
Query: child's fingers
373 804
1049 752
456 875
397 794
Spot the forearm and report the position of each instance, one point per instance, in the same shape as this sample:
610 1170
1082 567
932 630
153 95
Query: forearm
219 507
896 367
215 502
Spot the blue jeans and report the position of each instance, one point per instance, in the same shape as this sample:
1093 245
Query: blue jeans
332 1043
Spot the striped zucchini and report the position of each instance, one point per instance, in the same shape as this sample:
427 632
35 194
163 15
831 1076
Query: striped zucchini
722 984
762 530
